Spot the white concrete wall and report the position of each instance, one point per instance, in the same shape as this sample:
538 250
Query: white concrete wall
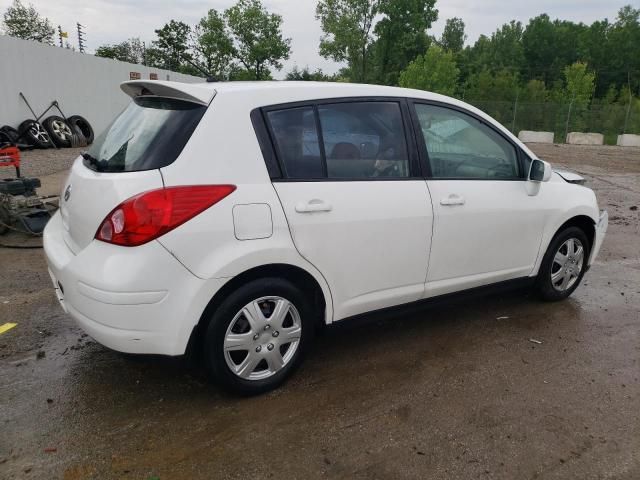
579 138
83 84
528 136
629 140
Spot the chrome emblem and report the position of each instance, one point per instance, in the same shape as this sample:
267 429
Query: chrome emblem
67 193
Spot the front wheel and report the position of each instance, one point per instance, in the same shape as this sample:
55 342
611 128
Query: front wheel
258 335
563 265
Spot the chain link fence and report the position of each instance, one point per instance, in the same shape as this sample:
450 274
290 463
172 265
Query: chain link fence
561 118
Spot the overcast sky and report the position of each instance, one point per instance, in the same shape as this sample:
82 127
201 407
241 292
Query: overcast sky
111 21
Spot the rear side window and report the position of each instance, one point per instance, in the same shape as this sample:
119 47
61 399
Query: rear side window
355 140
364 140
150 133
296 139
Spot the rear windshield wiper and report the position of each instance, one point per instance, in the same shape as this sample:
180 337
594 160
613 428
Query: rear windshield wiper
98 164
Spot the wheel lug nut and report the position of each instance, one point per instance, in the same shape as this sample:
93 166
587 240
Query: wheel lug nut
276 333
270 347
256 336
258 348
267 327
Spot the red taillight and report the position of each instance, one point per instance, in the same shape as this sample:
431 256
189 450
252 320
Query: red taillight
151 214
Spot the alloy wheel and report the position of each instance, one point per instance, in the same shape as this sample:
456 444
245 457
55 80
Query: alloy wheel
567 264
61 129
262 338
39 133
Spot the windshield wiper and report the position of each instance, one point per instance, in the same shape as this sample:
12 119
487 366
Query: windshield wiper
98 164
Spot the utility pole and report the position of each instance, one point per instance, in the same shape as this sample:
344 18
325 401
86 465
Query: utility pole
81 40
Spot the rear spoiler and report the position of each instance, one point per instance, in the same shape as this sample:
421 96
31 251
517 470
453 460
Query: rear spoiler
189 92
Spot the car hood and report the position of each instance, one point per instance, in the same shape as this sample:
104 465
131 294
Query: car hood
570 177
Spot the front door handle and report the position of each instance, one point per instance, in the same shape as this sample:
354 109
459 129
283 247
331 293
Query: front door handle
314 205
452 199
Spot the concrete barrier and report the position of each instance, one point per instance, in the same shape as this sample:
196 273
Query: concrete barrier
528 136
579 138
628 140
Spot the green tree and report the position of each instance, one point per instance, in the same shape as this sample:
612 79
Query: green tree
212 45
580 84
171 48
453 36
307 75
257 38
401 36
347 26
26 23
131 51
435 71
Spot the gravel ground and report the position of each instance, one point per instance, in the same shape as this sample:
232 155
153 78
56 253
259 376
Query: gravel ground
458 391
38 163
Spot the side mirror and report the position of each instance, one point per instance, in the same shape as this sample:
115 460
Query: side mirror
540 171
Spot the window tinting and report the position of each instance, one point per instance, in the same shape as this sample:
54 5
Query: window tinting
459 146
364 140
296 139
150 133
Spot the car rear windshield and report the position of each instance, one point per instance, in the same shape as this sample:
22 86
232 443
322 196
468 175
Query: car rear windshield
150 133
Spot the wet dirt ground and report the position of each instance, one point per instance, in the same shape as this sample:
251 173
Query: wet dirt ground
457 391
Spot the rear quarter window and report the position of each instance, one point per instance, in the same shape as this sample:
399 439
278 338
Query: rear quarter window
149 134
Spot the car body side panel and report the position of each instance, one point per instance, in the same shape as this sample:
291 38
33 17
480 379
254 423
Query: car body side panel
565 201
207 244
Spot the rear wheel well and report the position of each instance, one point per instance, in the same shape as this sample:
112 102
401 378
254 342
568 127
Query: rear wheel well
584 223
299 277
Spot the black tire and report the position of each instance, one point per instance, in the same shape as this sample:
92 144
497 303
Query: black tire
228 315
59 130
83 127
35 134
11 133
545 283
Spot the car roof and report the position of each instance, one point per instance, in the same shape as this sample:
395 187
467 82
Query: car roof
265 93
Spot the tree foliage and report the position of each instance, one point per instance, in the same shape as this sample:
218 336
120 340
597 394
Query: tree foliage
171 48
453 36
212 45
347 28
26 23
308 76
435 71
131 51
401 36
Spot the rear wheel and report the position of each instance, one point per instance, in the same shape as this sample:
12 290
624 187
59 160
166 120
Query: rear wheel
564 264
257 337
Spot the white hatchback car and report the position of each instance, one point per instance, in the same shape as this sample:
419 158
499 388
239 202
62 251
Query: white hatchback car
234 218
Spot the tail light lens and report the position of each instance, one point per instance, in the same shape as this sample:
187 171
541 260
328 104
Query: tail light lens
149 215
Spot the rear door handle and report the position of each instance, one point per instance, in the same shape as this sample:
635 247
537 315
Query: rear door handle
452 199
314 205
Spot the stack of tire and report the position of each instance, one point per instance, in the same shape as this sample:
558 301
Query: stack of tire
53 131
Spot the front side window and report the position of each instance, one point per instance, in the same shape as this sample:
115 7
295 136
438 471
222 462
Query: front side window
460 146
364 140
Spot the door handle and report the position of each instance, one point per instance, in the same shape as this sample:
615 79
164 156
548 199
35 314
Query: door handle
452 199
314 205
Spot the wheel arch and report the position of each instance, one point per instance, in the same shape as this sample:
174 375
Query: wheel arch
299 277
584 223
582 219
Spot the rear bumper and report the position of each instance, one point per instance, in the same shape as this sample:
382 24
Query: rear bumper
134 300
601 230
